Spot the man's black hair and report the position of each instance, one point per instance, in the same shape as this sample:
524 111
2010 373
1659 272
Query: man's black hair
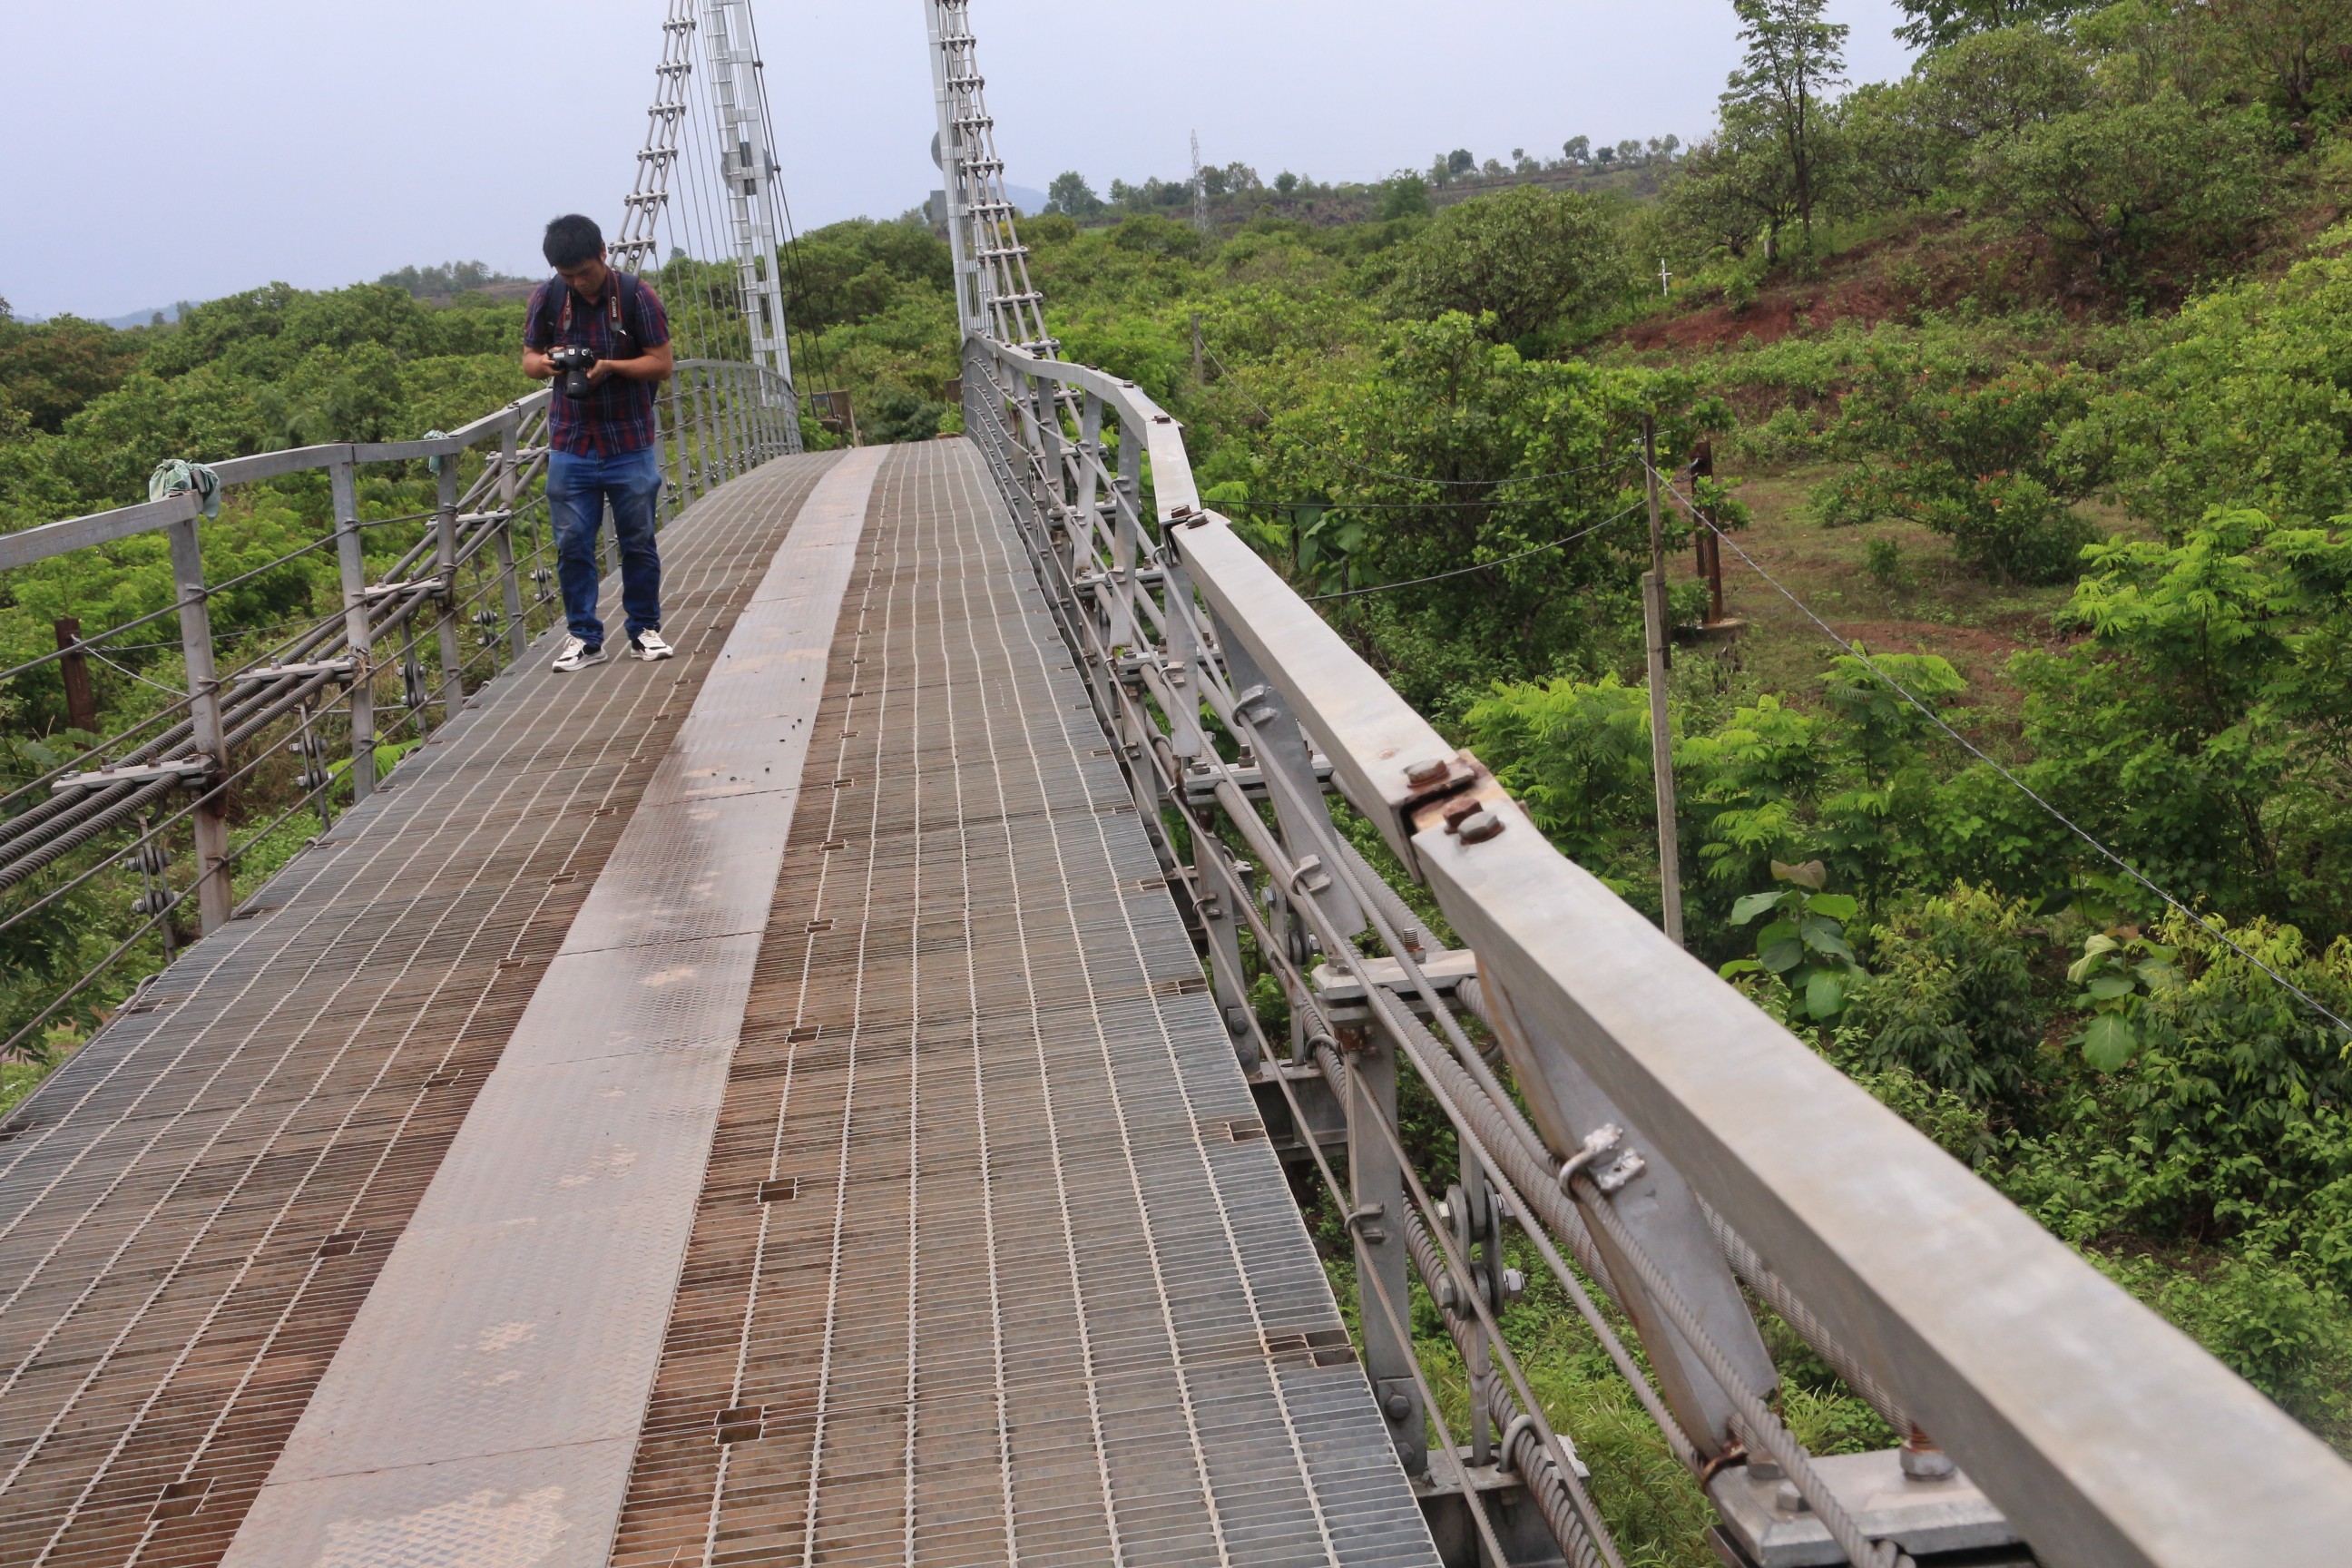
571 240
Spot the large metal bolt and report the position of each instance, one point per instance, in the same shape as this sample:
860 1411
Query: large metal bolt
1923 1461
1399 1408
1479 827
1423 775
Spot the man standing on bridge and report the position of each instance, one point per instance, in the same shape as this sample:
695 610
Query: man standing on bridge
605 335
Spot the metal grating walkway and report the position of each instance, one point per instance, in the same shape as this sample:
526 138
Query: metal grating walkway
193 1210
993 1263
991 1260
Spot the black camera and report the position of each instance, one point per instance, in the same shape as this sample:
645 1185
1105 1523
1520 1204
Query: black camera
572 367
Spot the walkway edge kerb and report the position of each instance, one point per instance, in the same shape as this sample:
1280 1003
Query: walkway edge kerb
492 1387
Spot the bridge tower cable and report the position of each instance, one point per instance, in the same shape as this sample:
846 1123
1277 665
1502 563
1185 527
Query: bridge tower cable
749 165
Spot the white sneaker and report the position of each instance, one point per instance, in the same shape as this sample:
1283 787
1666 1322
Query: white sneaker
576 655
650 647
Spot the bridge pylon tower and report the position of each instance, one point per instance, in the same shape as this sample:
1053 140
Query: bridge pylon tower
994 296
748 168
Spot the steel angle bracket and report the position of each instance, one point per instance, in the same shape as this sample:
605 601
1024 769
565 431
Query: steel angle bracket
191 770
1658 1206
1375 744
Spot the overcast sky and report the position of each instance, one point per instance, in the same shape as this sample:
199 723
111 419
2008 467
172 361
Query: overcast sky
171 149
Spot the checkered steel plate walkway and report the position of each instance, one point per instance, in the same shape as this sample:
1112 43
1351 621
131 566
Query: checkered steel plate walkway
192 1210
993 1263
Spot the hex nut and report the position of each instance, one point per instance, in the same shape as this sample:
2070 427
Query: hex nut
1399 1408
1455 813
1479 827
1423 775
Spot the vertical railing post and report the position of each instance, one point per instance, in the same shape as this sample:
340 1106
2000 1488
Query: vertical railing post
705 424
509 584
213 899
1050 446
351 560
746 452
722 436
661 497
677 470
1377 1224
445 566
1084 519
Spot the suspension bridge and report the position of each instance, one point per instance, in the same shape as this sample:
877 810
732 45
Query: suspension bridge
811 1101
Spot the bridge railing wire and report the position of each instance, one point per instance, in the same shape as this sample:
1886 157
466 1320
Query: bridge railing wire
388 662
1642 1128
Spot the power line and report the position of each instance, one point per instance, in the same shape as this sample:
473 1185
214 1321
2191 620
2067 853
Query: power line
1482 565
2125 866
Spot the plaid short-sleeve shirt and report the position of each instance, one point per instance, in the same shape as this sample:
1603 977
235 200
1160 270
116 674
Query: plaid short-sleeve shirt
618 417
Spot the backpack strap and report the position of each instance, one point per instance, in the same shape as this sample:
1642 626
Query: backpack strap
547 315
632 309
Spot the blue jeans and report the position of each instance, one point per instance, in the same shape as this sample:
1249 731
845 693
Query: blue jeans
577 489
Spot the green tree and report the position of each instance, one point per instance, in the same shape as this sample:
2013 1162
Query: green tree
1734 185
1793 59
2203 729
1526 257
2126 188
1937 24
2245 399
1803 946
52 371
1070 194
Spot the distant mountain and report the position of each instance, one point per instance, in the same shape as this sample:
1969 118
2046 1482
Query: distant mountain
144 318
1031 203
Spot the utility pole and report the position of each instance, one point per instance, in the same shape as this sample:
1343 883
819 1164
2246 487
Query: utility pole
1666 280
1200 354
1661 739
81 699
1710 548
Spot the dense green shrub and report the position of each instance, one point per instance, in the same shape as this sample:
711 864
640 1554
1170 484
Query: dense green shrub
1523 259
1952 999
1974 458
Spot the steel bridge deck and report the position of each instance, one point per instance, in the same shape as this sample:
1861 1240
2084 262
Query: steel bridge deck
966 1245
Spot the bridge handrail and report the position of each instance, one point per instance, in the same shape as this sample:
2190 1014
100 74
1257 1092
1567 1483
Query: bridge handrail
718 419
2105 1435
53 538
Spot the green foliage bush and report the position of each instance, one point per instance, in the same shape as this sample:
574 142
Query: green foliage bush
2244 399
1973 458
1953 1001
1522 259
